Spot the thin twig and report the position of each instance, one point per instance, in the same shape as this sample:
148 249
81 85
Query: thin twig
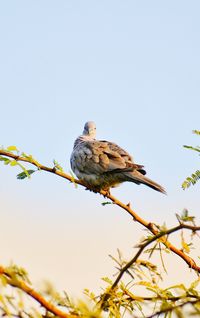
132 297
163 311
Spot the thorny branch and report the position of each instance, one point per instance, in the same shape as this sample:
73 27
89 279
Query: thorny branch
161 235
150 226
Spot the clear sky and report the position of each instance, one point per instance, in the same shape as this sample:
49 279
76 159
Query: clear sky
133 67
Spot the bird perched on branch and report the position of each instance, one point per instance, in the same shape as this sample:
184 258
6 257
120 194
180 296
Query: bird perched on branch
102 165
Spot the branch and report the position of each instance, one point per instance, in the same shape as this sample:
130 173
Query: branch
150 226
35 295
148 242
162 234
132 297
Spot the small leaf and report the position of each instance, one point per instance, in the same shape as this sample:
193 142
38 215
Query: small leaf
57 165
191 180
12 148
178 286
107 280
185 217
185 246
5 160
197 132
105 203
73 179
194 284
13 163
192 148
24 174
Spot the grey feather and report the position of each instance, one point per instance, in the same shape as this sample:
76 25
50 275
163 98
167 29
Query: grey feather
102 164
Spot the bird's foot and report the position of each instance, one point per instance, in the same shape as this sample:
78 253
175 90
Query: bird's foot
106 193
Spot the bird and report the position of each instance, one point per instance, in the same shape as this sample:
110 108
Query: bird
102 164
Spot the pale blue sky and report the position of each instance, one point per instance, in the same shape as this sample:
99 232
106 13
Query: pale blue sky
131 66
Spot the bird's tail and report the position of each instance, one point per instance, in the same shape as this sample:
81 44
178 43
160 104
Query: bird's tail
138 178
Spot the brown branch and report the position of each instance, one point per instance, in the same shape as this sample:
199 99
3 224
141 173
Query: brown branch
160 235
148 242
35 295
150 226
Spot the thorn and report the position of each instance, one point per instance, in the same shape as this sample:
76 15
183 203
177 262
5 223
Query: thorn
128 205
107 193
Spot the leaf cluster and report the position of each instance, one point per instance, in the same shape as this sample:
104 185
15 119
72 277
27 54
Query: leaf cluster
195 176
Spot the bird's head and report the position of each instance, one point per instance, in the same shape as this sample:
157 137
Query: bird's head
90 129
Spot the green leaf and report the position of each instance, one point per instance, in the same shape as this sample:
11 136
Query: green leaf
185 213
192 148
57 165
12 148
13 163
25 174
196 175
192 180
185 217
73 179
31 159
5 160
107 280
195 284
197 132
105 203
178 286
185 246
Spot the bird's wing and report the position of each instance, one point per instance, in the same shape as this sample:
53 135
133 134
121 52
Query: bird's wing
98 157
125 158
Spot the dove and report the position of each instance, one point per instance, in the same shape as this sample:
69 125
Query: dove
102 164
